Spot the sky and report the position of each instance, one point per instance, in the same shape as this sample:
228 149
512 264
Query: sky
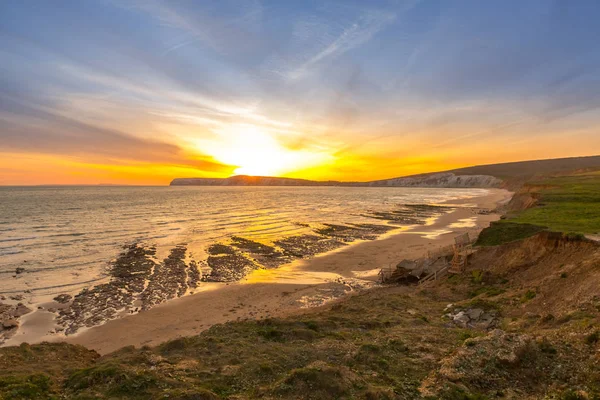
144 91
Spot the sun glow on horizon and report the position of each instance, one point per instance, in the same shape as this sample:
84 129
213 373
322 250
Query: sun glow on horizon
255 152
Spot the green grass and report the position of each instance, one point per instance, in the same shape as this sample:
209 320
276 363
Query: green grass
506 231
568 204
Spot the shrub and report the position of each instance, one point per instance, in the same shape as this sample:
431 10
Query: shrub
115 379
570 394
529 295
477 276
36 386
593 337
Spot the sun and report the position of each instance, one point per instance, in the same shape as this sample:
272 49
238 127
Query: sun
257 153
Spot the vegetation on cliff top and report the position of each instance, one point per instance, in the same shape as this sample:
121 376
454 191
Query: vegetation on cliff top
569 204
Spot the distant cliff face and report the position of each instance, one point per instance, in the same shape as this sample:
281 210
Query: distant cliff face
244 180
444 180
440 180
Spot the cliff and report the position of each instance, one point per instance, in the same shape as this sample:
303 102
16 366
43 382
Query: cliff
441 180
507 175
446 180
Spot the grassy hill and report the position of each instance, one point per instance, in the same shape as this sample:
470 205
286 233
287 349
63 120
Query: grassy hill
513 174
527 170
568 203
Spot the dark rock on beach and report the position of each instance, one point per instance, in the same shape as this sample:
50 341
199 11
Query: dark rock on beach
266 255
9 324
63 298
410 214
168 280
307 245
229 268
20 310
350 233
218 249
194 275
134 276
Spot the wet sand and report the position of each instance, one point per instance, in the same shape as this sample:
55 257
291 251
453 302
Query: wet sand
291 288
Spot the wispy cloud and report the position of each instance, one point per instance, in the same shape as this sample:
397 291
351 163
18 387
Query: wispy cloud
352 35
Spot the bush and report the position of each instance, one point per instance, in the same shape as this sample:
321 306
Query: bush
477 276
504 232
316 382
529 295
115 379
593 337
570 394
36 386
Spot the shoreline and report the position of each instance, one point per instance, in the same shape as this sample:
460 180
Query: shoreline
290 289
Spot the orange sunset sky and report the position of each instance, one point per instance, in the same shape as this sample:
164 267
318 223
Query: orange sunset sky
141 92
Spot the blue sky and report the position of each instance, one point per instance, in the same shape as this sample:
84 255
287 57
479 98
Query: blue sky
139 90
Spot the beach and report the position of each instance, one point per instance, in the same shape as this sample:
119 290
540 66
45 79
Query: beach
293 288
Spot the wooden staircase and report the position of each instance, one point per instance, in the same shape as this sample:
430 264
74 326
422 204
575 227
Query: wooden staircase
463 248
460 251
434 275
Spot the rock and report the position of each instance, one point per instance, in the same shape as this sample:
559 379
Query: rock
530 315
402 276
10 324
19 270
63 298
475 313
461 319
17 297
496 361
21 310
154 359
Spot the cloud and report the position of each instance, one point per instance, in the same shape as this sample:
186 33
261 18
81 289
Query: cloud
351 36
39 129
222 32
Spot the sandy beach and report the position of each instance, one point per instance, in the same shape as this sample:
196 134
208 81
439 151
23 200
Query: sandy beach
292 288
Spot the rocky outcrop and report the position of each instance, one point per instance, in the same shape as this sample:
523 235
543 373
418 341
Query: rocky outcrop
475 318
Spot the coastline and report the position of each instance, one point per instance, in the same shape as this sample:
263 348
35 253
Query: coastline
289 289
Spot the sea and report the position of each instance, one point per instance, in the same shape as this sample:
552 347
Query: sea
62 239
